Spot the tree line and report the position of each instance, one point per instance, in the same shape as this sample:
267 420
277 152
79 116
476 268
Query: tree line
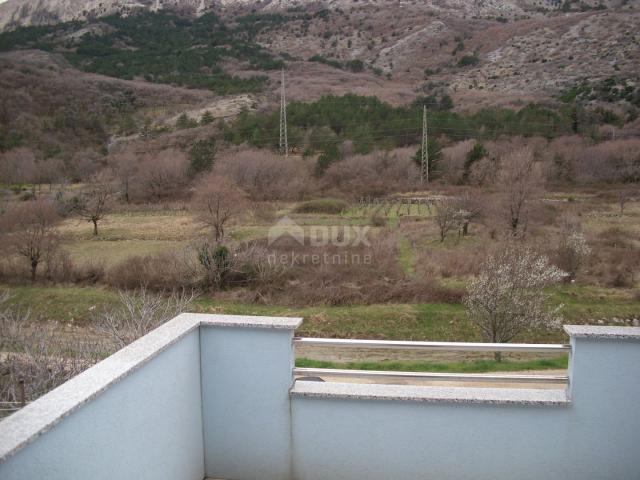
366 123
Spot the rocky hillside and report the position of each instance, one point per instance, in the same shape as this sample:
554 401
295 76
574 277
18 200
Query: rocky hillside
480 53
158 78
15 13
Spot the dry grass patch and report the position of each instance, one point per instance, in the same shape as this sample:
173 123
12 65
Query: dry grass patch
112 252
139 226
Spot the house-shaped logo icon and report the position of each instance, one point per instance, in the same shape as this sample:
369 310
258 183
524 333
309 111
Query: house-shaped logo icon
286 227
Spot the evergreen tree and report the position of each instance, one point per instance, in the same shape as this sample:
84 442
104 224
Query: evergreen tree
478 152
184 121
435 155
207 118
446 103
202 155
330 154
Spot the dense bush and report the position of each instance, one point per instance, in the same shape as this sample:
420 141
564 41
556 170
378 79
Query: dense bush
363 274
330 206
264 175
468 60
581 160
376 174
162 271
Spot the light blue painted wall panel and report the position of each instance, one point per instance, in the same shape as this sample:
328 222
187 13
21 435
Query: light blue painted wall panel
246 375
146 427
605 419
217 402
596 437
351 439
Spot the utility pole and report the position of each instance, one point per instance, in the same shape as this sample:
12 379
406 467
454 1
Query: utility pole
284 145
424 170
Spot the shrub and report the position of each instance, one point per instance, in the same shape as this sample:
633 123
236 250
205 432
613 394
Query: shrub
264 175
330 206
378 173
184 121
355 65
342 275
161 176
572 252
161 271
378 220
216 262
469 60
615 260
140 312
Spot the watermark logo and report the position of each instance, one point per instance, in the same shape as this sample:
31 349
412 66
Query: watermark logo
319 235
285 227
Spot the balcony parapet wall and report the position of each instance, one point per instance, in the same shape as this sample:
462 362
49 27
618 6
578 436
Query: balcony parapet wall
213 395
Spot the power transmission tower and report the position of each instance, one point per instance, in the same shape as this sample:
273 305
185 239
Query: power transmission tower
284 144
424 170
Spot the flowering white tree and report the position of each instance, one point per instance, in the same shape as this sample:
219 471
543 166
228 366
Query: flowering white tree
508 297
572 251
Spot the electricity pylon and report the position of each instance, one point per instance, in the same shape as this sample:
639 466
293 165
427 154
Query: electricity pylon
424 164
284 144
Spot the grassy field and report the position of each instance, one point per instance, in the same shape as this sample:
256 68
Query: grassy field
128 233
432 321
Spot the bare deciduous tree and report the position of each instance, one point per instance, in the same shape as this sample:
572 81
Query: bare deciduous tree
447 216
507 297
124 167
520 181
624 196
378 173
140 312
219 201
263 175
84 164
35 359
18 166
31 233
162 175
95 201
469 208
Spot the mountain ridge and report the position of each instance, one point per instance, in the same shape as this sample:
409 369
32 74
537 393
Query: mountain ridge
398 53
14 13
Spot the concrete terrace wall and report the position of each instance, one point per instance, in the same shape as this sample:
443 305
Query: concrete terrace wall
245 386
383 439
381 432
139 414
212 395
136 415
